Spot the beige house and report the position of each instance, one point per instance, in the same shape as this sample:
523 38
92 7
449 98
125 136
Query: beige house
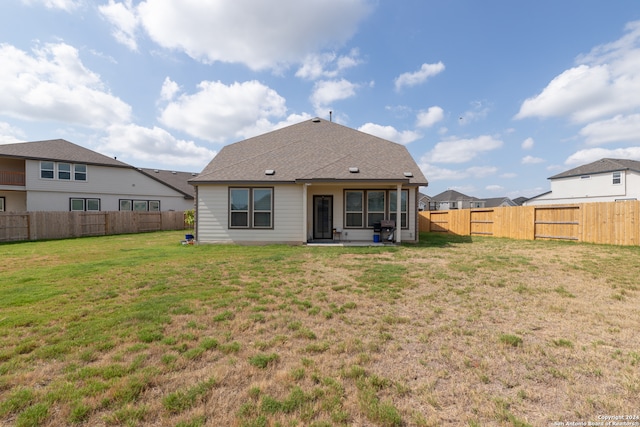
316 181
57 175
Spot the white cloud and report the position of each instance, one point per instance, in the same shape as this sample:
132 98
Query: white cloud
418 77
169 89
436 173
125 21
494 188
256 33
462 150
10 134
327 65
67 5
508 175
592 154
430 117
390 133
133 144
54 85
530 160
604 82
327 91
479 110
218 112
528 144
616 129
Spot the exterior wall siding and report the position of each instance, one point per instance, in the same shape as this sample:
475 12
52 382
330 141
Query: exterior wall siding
213 218
105 183
597 188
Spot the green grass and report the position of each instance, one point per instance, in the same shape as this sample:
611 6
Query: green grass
133 329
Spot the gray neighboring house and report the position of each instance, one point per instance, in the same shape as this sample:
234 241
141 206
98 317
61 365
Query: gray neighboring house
57 175
312 181
499 202
605 180
452 199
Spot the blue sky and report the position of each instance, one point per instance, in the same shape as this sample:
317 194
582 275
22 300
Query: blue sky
490 97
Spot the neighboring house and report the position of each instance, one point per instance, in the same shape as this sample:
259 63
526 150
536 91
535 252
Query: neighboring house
519 201
452 199
604 180
312 181
423 202
57 175
499 202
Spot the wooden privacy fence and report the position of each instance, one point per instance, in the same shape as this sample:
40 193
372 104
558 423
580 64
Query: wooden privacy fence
17 226
615 223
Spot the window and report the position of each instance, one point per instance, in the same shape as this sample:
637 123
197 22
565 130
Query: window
64 171
140 205
251 207
126 205
2 204
47 170
77 204
262 207
80 172
375 207
617 178
393 201
239 207
354 208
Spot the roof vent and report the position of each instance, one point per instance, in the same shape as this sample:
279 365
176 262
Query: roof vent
408 174
316 120
174 172
156 170
354 170
269 172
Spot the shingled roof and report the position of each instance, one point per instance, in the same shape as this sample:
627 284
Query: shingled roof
58 150
313 150
179 181
601 166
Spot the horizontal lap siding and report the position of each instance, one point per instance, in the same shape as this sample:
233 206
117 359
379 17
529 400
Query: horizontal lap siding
213 217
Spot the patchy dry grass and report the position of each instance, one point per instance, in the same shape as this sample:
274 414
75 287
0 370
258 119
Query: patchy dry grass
140 330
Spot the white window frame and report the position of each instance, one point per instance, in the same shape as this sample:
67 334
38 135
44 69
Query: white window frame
2 204
616 176
404 223
51 170
63 171
256 211
80 172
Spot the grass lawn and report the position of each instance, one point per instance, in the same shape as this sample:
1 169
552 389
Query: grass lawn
141 330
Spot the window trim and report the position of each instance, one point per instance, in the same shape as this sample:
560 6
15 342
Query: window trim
251 210
618 178
371 223
132 202
360 212
60 171
3 203
43 169
85 204
77 173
